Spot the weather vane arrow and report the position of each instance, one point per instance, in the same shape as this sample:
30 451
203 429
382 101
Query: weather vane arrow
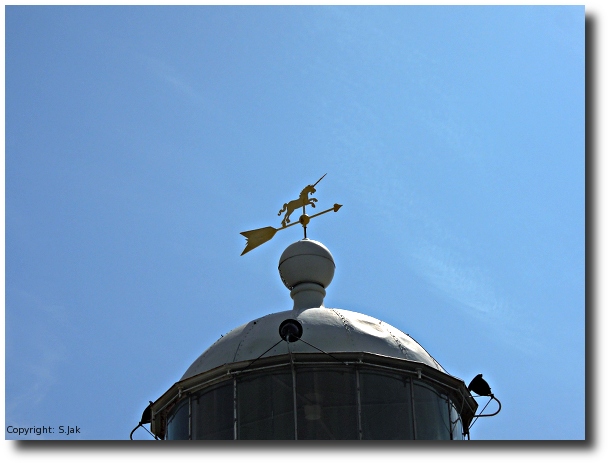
257 237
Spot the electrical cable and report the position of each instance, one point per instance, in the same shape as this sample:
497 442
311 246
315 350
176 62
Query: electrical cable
263 354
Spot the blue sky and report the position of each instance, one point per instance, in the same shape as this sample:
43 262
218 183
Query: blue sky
140 141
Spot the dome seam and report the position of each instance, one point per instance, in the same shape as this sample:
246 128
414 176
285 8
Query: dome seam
312 254
345 323
251 325
402 348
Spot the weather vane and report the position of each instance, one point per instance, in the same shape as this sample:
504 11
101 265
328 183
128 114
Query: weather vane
257 237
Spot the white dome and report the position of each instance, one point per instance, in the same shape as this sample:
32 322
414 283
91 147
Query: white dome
329 329
307 267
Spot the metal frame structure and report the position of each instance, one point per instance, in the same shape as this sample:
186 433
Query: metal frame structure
454 389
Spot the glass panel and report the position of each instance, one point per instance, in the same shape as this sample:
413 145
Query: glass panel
178 421
456 425
326 403
212 412
386 406
431 413
265 406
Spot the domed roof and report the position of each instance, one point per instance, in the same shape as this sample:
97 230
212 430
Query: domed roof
331 330
307 268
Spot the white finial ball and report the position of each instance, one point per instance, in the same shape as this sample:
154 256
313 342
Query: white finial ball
306 261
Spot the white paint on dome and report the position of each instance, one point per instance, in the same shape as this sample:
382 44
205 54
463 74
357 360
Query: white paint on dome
329 329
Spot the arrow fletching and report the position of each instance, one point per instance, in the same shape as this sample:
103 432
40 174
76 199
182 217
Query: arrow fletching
257 237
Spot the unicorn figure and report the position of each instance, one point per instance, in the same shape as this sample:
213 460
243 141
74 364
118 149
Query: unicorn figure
302 201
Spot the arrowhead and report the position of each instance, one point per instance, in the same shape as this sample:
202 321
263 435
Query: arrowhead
336 207
257 237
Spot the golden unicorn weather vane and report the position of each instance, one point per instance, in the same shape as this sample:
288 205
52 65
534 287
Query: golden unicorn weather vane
257 237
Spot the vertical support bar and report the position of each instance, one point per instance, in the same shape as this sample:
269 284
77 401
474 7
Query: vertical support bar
190 418
304 226
358 399
414 420
449 404
235 407
294 389
294 399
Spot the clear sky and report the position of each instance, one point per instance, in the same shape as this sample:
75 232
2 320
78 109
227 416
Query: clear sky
141 141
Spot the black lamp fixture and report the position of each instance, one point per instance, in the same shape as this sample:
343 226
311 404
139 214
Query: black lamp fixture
146 418
479 386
